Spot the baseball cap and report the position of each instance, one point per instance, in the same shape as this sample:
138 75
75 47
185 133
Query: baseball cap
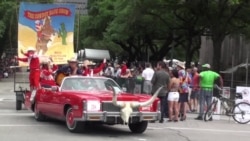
206 66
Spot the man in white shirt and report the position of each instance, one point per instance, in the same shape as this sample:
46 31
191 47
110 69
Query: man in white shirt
109 71
147 75
118 71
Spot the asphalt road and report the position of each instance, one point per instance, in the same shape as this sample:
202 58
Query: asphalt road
21 126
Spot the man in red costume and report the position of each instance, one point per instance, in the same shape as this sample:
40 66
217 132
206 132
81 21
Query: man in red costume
90 72
34 66
123 68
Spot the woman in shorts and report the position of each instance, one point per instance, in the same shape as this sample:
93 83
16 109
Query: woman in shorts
173 96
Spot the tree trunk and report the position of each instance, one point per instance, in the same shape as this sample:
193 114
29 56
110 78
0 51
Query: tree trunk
165 48
217 44
188 58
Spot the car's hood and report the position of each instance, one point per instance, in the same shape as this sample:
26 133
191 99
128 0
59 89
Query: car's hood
108 95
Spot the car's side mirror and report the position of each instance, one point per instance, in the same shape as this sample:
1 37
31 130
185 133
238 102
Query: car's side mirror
54 88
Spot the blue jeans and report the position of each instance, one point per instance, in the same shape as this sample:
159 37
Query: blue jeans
205 97
164 106
147 87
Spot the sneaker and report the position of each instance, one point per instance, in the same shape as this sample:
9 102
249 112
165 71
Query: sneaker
180 115
161 121
194 111
199 118
183 118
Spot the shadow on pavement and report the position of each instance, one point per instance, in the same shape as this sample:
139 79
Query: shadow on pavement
93 129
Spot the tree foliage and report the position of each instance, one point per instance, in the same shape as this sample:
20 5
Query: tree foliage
147 29
222 18
8 23
154 28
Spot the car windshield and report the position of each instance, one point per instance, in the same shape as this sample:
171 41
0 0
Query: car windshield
89 84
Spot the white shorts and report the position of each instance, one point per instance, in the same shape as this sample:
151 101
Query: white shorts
173 96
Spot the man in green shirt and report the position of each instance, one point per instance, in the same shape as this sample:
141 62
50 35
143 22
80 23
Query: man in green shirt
207 79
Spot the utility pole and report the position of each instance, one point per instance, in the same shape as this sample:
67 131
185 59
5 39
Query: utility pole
233 57
78 31
247 69
246 61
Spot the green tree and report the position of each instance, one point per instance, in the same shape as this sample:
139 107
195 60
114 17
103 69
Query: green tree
221 18
9 10
189 27
93 26
8 25
153 28
141 28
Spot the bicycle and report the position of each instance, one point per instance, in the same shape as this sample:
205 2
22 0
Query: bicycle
240 111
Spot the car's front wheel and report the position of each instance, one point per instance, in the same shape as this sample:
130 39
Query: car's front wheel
138 127
73 125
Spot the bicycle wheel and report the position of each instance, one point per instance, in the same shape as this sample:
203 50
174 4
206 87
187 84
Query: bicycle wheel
241 113
210 111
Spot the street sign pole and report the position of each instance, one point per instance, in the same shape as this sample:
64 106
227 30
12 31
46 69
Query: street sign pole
247 68
78 32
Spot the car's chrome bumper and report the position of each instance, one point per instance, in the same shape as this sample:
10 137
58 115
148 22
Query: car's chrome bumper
115 117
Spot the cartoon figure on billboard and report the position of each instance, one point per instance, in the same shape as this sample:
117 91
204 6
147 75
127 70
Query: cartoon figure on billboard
39 26
45 36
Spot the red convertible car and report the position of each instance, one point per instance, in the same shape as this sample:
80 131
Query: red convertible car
80 100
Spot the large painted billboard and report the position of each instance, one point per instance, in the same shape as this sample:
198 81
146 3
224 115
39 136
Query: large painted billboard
48 28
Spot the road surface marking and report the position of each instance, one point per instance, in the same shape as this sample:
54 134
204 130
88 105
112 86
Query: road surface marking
7 99
142 139
196 129
17 114
21 125
200 129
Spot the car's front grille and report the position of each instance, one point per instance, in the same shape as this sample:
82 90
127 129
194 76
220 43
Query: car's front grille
110 107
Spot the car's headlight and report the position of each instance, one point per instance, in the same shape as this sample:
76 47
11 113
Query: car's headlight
92 105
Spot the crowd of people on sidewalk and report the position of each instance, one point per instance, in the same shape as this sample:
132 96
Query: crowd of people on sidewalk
184 88
187 89
5 63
